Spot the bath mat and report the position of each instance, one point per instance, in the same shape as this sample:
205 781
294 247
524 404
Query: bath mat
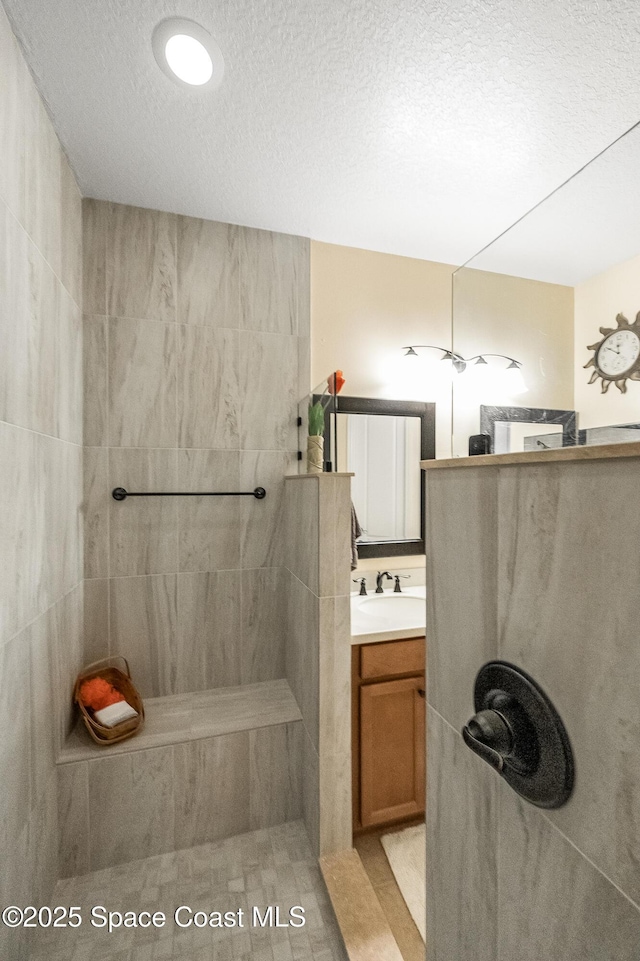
406 853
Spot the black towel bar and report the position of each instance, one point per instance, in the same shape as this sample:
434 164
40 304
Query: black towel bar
120 494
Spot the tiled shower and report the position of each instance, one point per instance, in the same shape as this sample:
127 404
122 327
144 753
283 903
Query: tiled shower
154 352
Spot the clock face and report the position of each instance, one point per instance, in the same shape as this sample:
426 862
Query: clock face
618 353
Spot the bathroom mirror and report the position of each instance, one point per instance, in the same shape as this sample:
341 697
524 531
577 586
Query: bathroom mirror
512 429
549 292
382 443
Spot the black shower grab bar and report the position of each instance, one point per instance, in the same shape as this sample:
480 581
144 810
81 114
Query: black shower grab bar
120 494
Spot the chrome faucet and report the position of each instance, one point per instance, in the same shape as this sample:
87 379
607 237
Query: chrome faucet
362 581
405 577
379 579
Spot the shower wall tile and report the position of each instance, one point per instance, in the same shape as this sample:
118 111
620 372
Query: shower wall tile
95 508
42 841
95 219
208 376
59 496
40 367
143 532
334 548
209 527
574 628
208 273
12 119
73 819
94 351
268 391
311 791
263 520
131 807
66 622
462 838
271 265
15 888
41 665
202 813
462 511
209 642
142 383
42 181
96 620
301 656
143 617
141 263
70 233
276 774
303 531
15 743
596 921
264 599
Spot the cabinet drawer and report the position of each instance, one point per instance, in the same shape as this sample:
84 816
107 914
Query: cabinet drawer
392 657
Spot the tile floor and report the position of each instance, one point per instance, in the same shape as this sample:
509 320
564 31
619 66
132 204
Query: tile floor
384 884
271 866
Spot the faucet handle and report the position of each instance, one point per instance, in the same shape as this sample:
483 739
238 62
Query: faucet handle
405 577
362 581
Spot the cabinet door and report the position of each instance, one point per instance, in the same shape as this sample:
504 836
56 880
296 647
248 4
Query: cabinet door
392 750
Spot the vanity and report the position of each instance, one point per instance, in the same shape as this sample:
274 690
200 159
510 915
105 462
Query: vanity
388 660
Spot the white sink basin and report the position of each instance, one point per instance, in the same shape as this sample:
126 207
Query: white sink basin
393 605
388 612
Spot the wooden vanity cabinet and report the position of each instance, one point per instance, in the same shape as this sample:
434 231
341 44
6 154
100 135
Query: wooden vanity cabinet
389 720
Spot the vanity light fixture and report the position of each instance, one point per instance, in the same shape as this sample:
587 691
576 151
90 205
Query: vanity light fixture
460 363
187 53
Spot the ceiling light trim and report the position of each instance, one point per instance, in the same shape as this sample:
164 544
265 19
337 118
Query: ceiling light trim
175 26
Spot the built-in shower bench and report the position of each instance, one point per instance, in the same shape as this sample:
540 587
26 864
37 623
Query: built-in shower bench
206 766
191 717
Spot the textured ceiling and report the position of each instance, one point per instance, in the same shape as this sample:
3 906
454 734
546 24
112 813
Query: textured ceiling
409 126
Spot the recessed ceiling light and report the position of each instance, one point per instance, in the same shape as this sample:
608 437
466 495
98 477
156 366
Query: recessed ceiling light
187 53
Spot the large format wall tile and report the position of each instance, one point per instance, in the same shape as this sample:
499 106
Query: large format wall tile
42 181
574 627
141 263
95 219
268 391
208 651
96 620
263 520
271 265
262 632
208 402
131 805
73 819
212 789
554 904
208 273
209 527
70 233
276 774
95 510
94 351
143 531
462 836
143 616
302 520
15 77
302 655
462 631
15 743
142 384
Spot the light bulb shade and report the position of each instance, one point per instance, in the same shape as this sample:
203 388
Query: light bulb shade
514 381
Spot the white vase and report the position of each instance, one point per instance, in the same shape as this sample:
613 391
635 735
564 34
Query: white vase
315 454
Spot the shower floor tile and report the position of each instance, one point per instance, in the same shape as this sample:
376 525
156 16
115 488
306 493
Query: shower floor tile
274 866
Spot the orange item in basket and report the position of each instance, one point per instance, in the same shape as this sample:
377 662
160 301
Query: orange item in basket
97 693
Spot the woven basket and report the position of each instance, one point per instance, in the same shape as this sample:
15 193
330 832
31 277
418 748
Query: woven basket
122 682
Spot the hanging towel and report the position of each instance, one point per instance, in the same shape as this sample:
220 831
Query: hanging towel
356 532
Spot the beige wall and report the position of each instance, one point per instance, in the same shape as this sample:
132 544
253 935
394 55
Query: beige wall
196 346
365 306
597 301
40 479
525 319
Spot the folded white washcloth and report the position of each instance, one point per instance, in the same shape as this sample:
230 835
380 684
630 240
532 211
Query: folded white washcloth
115 714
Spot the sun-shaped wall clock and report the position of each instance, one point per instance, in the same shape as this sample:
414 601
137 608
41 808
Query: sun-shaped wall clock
616 357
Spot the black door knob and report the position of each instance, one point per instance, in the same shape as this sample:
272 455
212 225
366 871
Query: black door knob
517 730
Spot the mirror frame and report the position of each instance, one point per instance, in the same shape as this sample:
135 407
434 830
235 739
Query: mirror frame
391 408
528 415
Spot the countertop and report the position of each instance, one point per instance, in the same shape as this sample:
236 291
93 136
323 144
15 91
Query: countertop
560 454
